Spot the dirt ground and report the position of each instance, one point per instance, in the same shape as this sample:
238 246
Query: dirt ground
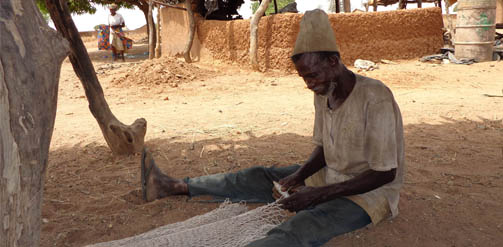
212 117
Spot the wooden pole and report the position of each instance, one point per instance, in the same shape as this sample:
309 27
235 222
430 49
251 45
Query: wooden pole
419 3
275 7
337 6
151 44
158 33
375 5
192 31
254 33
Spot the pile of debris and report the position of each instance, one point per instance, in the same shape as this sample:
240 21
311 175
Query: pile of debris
163 71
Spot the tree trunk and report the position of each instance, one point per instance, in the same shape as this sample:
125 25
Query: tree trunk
192 31
402 4
144 9
121 139
30 64
158 32
347 6
151 42
254 33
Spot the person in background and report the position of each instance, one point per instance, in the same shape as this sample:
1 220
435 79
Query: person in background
116 23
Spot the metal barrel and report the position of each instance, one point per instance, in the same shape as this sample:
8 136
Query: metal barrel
475 29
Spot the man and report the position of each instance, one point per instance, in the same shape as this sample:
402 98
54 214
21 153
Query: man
116 23
355 172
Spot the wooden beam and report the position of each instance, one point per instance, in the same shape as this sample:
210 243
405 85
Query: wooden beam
419 3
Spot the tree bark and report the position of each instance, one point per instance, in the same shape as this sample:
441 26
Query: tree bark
192 31
158 33
121 139
30 64
254 33
151 44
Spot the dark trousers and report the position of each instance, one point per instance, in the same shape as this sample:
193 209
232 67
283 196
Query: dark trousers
309 227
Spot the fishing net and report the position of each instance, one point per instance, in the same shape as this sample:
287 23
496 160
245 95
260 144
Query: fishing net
230 225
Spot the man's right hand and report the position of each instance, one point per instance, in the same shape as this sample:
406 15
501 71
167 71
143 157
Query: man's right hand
291 182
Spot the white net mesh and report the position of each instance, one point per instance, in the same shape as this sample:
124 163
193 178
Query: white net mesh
227 226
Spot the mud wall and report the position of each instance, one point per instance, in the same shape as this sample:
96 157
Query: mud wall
175 33
402 34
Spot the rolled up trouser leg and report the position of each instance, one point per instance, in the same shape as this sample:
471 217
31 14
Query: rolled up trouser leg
250 185
316 226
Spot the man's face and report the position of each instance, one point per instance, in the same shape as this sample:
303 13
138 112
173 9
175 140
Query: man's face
112 11
318 74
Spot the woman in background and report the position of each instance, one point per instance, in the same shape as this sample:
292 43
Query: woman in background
116 23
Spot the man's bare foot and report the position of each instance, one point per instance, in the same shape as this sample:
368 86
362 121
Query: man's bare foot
157 185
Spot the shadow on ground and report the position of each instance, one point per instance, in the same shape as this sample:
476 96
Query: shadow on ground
453 180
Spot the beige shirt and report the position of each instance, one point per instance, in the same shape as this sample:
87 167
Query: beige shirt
364 133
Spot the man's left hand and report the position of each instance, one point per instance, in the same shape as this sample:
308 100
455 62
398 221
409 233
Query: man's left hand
303 198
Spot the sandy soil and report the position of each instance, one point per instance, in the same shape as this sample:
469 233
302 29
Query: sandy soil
220 118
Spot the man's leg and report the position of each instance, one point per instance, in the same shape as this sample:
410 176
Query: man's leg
252 184
316 226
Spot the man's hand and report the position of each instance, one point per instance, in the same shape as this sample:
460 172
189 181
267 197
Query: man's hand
288 184
303 198
291 182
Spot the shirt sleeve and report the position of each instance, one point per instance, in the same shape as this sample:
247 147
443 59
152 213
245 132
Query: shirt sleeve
380 136
318 121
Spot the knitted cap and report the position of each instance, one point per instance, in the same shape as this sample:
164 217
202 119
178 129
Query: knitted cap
315 34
